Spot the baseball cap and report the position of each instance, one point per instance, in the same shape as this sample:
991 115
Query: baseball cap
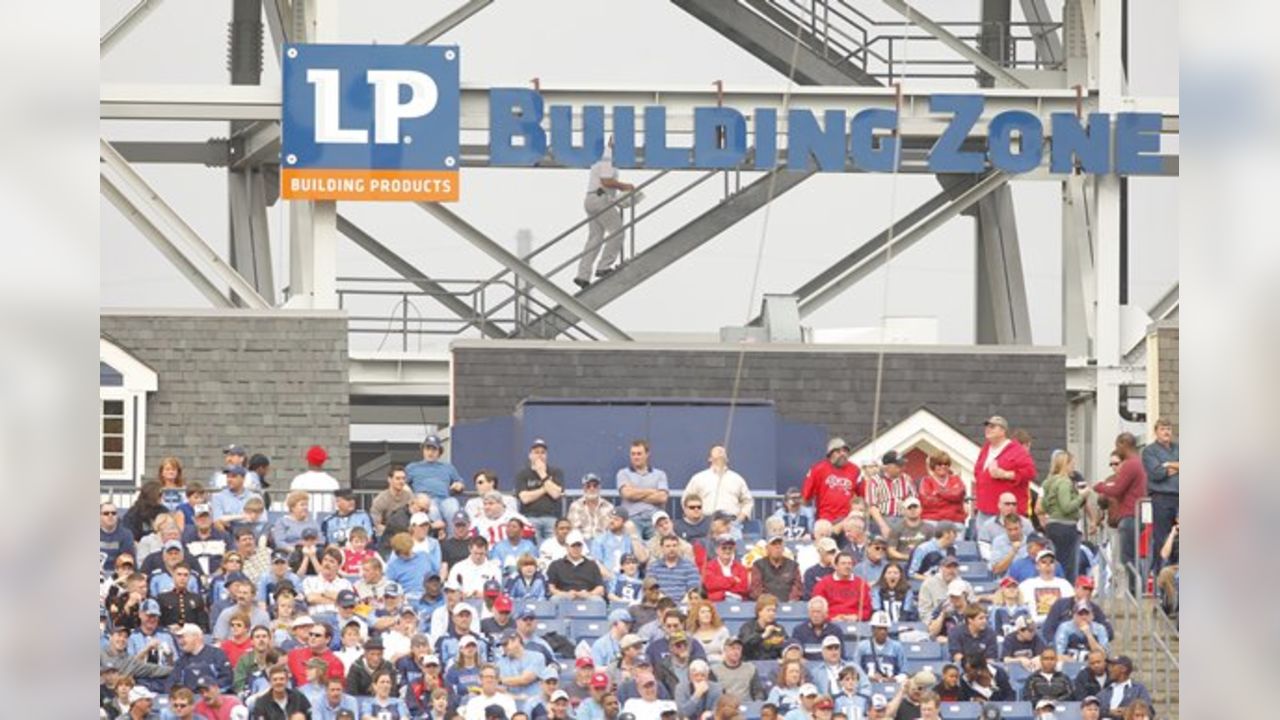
316 455
630 639
302 621
234 449
679 637
793 492
1008 581
660 515
1044 554
726 539
234 470
138 693
621 512
511 635
574 538
831 640
836 443
877 540
461 518
880 618
620 615
1084 581
172 545
310 534
585 662
346 599
467 640
433 441
879 702
1083 608
559 695
420 518
958 587
807 690
538 442
452 585
236 577
502 604
826 544
913 500
463 607
1046 704
492 588
373 643
550 672
997 420
891 458
649 582
1090 700
431 659
202 509
600 681
627 716
149 607
1123 661
825 704
951 560
777 537
280 556
628 558
392 589
790 645
526 613
408 610
495 711
1024 622
924 679
733 640
590 478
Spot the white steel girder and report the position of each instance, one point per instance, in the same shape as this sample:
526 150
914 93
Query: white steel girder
960 47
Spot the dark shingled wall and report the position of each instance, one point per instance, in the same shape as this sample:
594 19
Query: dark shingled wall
830 386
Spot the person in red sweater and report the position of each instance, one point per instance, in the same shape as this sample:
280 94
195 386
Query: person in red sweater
832 483
1123 489
239 642
942 491
1003 466
724 576
848 596
317 647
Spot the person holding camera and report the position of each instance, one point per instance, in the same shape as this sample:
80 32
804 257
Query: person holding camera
1061 501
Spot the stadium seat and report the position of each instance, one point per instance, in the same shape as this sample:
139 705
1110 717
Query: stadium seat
793 611
593 608
914 666
967 551
752 529
790 624
856 629
916 584
751 710
733 625
768 671
1071 669
743 610
1017 676
975 572
542 609
887 689
923 651
898 628
1068 711
580 629
986 587
960 710
1016 711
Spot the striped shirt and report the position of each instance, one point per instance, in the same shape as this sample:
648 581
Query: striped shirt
887 494
675 581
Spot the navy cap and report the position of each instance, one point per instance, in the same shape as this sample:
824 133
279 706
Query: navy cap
492 587
344 493
538 442
392 589
628 557
149 607
310 533
526 612
233 449
590 478
891 458
236 577
433 441
234 470
172 545
280 556
461 518
621 512
346 599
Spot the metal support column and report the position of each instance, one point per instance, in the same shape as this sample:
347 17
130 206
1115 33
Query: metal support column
249 238
1002 315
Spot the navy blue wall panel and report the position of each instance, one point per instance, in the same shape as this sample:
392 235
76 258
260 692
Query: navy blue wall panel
799 446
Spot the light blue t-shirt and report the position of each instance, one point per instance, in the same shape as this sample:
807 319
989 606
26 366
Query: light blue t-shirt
608 548
432 478
506 555
655 479
393 708
225 502
527 662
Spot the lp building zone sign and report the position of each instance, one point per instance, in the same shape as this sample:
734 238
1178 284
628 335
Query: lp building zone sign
364 122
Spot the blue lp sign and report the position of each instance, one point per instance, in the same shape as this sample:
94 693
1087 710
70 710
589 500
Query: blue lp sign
370 122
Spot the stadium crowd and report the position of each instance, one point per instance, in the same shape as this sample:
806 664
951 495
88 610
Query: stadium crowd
866 594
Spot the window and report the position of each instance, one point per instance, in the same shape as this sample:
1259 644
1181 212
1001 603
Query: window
113 436
123 384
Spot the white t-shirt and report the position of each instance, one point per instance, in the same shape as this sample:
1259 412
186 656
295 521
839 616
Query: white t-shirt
647 709
472 577
602 168
475 507
725 492
317 584
1040 595
477 704
321 485
491 529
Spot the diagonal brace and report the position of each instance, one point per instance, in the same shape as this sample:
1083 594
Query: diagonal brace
964 49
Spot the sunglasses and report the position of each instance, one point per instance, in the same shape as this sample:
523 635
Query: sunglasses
1113 464
316 634
108 513
692 507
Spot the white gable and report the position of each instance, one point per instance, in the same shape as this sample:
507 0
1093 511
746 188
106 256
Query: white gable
926 431
137 376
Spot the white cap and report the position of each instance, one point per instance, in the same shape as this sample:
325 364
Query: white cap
453 584
807 689
191 629
467 640
140 693
420 518
1046 703
302 620
559 695
463 607
574 538
660 515
831 640
880 618
958 587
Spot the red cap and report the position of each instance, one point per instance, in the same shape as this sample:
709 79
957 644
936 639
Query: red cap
1007 581
584 662
502 604
316 455
599 681
1084 581
825 704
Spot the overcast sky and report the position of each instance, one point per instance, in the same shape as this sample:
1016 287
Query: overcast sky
630 44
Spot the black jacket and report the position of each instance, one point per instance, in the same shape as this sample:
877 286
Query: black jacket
1086 684
265 707
1037 688
755 644
1003 689
180 608
360 678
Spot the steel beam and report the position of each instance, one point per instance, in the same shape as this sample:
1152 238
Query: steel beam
449 22
873 260
211 153
256 144
1001 304
125 24
1079 292
667 251
416 277
1048 45
960 47
142 196
523 270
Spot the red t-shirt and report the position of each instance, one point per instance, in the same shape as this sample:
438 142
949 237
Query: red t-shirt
235 648
832 489
225 706
298 658
845 597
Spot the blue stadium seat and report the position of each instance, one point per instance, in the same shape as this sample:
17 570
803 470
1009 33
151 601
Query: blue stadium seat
584 628
737 610
542 609
793 611
923 650
1068 711
1018 676
914 666
960 710
1071 669
975 572
887 689
850 647
898 628
751 710
752 528
593 608
791 624
550 625
768 671
916 584
1017 711
986 587
967 551
856 629
733 625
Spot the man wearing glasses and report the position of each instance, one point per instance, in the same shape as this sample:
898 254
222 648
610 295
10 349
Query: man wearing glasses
990 530
317 647
113 538
1003 466
490 694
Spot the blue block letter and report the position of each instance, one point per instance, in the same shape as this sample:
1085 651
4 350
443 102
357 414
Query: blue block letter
515 113
1092 147
709 125
946 155
1137 134
656 152
805 139
1000 141
866 156
562 148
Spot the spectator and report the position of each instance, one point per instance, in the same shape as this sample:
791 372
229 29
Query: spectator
1127 485
435 477
1003 465
762 637
492 521
1006 606
914 699
457 547
694 524
1041 592
574 576
142 514
948 688
1123 690
853 537
951 613
1077 639
608 647
242 596
1063 610
280 701
775 573
907 531
463 676
180 606
888 490
880 657
333 701
228 503
993 528
337 528
287 531
1007 548
528 583
213 703
706 628
196 494
1023 645
481 706
942 492
796 518
832 483
894 595
553 548
646 706
826 551
204 543
874 561
539 487
848 596
664 526
676 576
723 576
590 514
826 674
279 574
472 573
253 660
933 592
485 482
199 660
1167 577
318 484
929 554
113 537
1061 502
720 488
238 641
1160 462
509 550
362 674
699 694
673 623
790 688
319 637
518 669
972 636
643 488
386 504
321 590
985 681
1093 677
619 538
1025 566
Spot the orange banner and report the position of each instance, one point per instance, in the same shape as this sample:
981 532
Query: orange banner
377 185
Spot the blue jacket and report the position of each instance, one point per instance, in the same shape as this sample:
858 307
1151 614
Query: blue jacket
1135 691
209 662
337 528
889 659
111 544
1154 456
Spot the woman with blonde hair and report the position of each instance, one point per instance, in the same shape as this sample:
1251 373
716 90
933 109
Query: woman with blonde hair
1061 503
705 625
288 530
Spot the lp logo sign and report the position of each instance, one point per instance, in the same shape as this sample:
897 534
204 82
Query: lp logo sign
370 123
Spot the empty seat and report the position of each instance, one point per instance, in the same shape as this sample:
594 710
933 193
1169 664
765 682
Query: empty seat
1018 675
975 572
593 608
887 689
753 528
1016 710
967 550
587 628
733 625
738 610
1068 711
960 710
984 587
793 611
768 671
914 666
751 710
923 650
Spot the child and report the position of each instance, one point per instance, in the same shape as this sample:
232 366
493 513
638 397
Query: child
625 586
796 518
356 551
196 495
528 584
255 519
